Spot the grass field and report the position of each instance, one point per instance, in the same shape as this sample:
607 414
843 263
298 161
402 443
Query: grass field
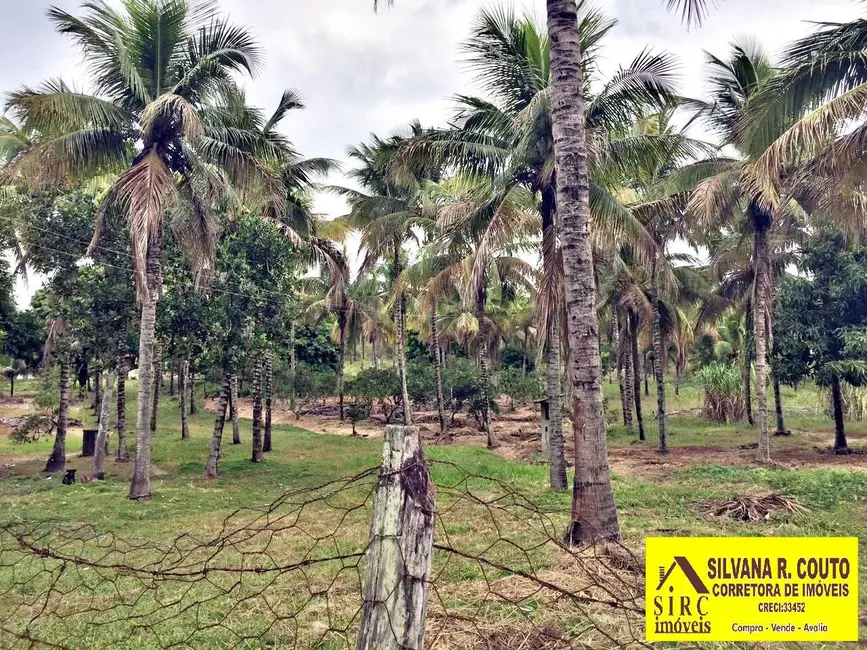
655 496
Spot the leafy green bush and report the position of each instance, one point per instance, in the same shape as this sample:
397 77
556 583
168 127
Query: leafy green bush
461 383
31 429
376 386
421 382
520 388
356 413
723 393
313 384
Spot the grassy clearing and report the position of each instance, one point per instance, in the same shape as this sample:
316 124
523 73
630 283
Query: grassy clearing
667 502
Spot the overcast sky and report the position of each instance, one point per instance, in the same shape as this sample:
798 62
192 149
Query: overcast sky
363 73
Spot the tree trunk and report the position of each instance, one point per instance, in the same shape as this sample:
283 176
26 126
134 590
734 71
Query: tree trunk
293 367
211 468
778 407
374 358
191 382
678 373
556 444
593 513
748 365
122 448
12 386
840 444
397 567
183 391
401 358
627 380
172 380
258 455
659 365
140 487
762 303
438 368
484 372
636 371
341 359
97 393
158 386
57 460
269 398
233 397
98 468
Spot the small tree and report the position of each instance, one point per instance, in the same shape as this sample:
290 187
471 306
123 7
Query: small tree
519 387
821 323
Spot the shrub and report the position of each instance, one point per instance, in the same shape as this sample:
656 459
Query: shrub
723 393
313 384
421 382
461 383
356 413
512 356
520 388
373 386
31 429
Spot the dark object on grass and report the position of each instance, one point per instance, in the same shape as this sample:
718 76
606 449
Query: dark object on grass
783 433
747 508
88 443
69 479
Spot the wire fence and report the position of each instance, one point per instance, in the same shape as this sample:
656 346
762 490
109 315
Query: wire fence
292 575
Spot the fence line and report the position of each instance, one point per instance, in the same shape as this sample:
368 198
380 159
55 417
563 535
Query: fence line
382 559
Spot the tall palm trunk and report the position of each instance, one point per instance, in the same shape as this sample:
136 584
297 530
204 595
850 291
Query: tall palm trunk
556 444
762 317
191 381
219 425
436 358
627 378
233 396
484 371
748 364
374 357
183 378
258 455
57 460
122 447
98 467
636 373
341 360
140 487
269 397
659 357
840 444
593 513
401 358
96 405
293 367
158 386
171 380
778 407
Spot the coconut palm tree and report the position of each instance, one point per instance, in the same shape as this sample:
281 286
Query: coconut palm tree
389 212
594 514
154 66
509 134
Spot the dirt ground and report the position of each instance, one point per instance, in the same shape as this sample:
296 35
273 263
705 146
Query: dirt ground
519 434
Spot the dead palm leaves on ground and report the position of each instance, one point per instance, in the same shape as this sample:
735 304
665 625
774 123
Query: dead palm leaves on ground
751 508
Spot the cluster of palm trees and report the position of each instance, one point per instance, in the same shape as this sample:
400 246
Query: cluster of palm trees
598 177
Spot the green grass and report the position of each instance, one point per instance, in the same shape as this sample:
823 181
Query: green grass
184 502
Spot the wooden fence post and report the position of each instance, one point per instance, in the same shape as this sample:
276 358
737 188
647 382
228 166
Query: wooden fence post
398 560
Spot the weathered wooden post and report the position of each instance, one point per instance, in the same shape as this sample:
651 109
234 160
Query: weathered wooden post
398 560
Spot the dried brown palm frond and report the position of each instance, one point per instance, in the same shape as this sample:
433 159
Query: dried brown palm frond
752 508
